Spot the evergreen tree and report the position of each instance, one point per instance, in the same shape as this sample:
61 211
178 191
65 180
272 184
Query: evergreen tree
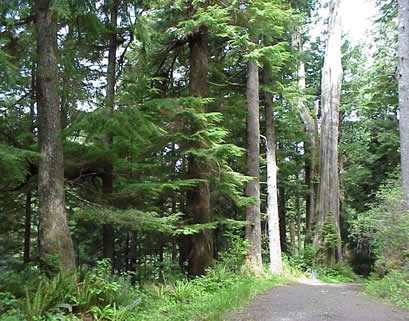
54 236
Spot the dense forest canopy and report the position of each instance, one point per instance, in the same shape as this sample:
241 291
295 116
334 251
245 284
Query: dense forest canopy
160 134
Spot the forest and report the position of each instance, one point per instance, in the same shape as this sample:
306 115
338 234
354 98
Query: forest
161 159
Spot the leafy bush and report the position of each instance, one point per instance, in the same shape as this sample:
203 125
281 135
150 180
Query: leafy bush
96 292
386 227
394 287
302 262
336 273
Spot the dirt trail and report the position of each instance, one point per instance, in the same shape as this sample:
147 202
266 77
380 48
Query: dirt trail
316 301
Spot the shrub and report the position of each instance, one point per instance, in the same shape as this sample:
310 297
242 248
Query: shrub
386 227
394 287
336 273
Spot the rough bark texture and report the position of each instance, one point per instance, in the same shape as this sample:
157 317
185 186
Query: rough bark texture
276 265
330 100
54 236
107 178
312 146
201 252
403 79
253 228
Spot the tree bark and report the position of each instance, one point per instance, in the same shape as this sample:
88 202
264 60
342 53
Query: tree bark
27 228
403 80
330 99
253 228
107 178
283 219
312 146
54 236
276 265
29 211
201 251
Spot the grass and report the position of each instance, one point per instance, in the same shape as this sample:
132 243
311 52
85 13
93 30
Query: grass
209 306
338 273
394 288
96 295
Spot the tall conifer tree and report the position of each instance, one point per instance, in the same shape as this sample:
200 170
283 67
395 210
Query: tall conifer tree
54 235
329 183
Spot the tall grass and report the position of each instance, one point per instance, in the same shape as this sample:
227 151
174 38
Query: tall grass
394 287
213 296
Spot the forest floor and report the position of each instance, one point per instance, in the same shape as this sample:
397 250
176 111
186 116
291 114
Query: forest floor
313 300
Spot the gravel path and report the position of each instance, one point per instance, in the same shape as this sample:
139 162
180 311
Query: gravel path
316 301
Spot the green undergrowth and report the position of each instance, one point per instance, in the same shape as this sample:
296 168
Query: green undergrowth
96 295
303 264
337 273
207 298
393 287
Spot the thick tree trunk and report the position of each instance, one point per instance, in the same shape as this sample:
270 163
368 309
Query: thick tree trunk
54 235
272 199
329 182
201 252
253 228
108 179
312 146
403 79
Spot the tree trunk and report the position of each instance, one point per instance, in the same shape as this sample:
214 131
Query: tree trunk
329 182
27 228
283 219
272 199
54 236
29 211
403 79
253 228
299 228
108 179
201 252
312 146
292 237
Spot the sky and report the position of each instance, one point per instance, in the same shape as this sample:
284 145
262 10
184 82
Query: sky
356 18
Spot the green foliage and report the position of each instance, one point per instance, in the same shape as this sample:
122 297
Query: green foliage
218 292
337 273
386 227
329 234
97 292
13 163
301 262
394 287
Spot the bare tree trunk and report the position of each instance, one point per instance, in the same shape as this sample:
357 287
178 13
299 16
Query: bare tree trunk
312 164
201 252
272 199
283 219
29 211
299 228
330 98
108 179
27 228
253 228
54 235
403 79
292 237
